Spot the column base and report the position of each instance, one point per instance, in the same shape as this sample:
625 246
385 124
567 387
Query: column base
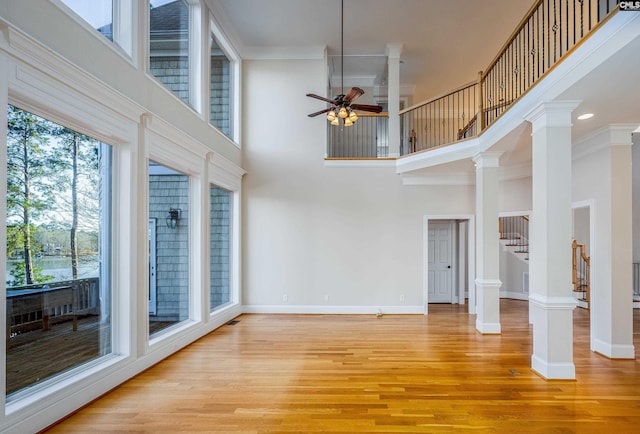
488 306
488 328
613 351
553 336
553 371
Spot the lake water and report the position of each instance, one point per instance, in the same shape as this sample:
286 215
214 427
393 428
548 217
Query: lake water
60 267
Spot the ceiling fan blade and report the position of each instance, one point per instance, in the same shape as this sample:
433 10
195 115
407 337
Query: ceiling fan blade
367 108
319 112
321 98
353 94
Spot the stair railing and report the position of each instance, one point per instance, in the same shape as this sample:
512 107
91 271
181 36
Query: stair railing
547 34
580 275
514 230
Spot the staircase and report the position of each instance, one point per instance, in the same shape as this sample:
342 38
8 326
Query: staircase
580 275
514 235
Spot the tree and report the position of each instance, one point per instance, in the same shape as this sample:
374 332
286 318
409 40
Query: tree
29 171
79 156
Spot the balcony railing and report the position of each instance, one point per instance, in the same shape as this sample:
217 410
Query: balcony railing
40 306
368 137
544 37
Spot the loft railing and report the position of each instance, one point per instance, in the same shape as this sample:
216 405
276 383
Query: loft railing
368 137
580 275
544 37
444 119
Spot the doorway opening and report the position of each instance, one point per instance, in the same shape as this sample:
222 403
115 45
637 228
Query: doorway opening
449 262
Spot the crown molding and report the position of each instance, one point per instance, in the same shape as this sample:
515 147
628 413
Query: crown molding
284 53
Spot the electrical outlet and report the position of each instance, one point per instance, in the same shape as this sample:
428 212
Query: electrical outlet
285 298
326 297
402 298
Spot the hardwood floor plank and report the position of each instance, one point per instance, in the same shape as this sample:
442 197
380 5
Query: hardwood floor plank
362 374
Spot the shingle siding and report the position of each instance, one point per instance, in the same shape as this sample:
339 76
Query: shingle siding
172 246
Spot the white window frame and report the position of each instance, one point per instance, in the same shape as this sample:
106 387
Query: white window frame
124 26
234 78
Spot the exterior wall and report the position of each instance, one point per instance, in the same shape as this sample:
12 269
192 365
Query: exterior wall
172 246
173 71
219 97
220 242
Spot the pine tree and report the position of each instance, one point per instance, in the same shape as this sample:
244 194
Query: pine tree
29 171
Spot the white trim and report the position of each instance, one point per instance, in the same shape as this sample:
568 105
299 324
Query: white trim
441 179
334 310
613 351
359 163
602 139
552 303
488 328
284 53
553 371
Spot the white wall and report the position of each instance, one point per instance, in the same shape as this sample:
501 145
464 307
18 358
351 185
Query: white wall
352 233
515 195
636 197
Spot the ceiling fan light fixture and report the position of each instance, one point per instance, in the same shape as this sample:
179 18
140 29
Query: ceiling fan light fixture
353 116
331 115
335 121
343 112
347 122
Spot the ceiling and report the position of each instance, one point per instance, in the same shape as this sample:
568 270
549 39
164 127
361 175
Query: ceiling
444 43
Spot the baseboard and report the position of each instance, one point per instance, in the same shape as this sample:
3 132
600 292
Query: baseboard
553 371
514 295
614 351
334 310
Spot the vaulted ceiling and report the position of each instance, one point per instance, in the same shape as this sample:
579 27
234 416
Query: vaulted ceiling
444 42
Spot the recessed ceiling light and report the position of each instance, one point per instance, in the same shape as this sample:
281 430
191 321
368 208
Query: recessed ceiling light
585 116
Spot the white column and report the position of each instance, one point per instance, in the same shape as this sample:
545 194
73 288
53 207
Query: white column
611 296
393 98
550 288
487 243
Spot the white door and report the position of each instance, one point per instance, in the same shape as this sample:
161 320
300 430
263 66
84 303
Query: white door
440 262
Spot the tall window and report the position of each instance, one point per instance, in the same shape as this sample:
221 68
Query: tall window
169 45
168 247
220 246
220 92
98 13
58 250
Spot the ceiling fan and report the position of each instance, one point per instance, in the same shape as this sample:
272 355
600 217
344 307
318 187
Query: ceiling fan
342 106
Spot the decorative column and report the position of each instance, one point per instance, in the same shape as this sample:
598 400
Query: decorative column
611 297
550 290
393 98
487 243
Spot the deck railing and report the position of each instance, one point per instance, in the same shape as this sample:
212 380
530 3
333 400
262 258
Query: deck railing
544 37
368 137
35 307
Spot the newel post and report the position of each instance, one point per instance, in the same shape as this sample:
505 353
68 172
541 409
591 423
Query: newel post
481 120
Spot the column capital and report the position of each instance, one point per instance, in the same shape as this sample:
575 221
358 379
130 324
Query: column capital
487 159
551 114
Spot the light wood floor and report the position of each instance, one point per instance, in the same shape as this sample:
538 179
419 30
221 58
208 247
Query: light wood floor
361 374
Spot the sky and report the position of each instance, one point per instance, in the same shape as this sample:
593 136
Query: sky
99 12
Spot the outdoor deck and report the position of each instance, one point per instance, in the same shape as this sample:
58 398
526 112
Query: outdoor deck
40 354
